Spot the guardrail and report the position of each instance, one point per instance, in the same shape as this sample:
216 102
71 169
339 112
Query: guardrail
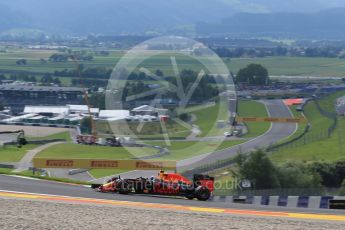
39 124
300 140
313 202
303 138
321 191
330 115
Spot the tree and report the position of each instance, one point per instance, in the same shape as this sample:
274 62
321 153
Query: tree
85 125
294 174
57 81
332 174
159 73
259 169
342 189
46 79
58 58
97 100
33 79
21 62
253 74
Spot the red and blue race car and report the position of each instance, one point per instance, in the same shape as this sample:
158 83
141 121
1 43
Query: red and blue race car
172 184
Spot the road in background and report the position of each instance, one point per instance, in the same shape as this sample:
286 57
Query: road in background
277 132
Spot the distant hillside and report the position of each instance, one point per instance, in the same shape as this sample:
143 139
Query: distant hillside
118 16
113 17
323 24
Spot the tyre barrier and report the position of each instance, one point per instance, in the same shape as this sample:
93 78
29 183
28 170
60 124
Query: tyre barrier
313 202
7 166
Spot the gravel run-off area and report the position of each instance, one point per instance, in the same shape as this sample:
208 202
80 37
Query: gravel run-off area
28 214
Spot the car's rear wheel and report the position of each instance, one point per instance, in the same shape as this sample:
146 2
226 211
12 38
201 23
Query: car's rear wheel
190 196
202 193
123 187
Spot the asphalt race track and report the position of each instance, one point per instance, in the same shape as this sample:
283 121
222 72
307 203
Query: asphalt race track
277 132
18 184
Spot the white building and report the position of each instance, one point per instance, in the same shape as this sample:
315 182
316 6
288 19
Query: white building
76 109
149 110
53 110
113 115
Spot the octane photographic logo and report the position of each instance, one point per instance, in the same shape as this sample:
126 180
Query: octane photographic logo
175 89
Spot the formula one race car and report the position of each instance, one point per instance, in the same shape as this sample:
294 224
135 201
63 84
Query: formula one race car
171 184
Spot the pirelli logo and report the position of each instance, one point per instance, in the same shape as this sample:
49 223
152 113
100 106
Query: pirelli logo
104 164
149 165
272 119
59 163
293 120
249 119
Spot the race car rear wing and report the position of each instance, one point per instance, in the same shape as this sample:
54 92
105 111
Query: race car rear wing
204 180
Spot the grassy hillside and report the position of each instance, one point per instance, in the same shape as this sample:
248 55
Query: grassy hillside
13 154
182 149
70 151
327 149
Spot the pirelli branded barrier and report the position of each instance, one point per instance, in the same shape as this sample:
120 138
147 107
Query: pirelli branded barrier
272 119
104 164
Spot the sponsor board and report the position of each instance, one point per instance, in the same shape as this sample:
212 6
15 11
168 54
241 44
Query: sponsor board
104 164
272 119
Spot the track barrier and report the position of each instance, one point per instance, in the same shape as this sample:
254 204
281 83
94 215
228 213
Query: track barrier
272 119
104 164
312 202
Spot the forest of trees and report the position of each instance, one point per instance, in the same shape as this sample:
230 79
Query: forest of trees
258 168
206 88
325 51
253 74
46 79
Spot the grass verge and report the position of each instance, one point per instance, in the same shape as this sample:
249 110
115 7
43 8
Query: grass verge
327 149
12 153
63 135
74 151
180 150
6 171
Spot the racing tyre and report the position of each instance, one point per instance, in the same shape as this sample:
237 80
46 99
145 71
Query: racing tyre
139 187
123 187
190 196
202 193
